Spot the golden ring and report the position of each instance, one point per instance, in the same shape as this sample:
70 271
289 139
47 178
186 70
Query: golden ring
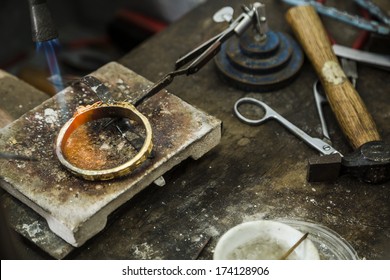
101 110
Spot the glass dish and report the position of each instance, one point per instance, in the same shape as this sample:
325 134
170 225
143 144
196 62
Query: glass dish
330 245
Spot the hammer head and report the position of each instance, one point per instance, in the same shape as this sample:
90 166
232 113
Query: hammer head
370 163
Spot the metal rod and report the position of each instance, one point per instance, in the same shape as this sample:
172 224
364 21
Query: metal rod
320 100
288 253
16 157
374 59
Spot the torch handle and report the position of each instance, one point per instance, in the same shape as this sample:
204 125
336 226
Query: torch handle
349 109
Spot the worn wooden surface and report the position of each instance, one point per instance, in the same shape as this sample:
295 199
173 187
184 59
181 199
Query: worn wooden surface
255 172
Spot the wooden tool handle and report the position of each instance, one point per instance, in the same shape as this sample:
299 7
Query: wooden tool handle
349 109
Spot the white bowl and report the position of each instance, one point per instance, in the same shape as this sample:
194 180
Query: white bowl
263 240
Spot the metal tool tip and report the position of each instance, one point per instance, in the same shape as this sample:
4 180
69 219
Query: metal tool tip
42 25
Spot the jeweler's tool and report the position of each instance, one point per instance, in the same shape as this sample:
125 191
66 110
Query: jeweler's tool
203 53
43 28
375 10
357 21
320 101
213 45
316 143
259 59
371 160
262 52
378 60
350 69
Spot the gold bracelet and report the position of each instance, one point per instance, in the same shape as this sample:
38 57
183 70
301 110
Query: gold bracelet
101 110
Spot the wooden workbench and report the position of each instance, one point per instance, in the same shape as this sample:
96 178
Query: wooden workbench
255 172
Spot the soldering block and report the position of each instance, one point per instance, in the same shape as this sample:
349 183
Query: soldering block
324 168
76 209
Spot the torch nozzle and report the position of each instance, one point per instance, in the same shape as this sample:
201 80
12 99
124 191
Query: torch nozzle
43 28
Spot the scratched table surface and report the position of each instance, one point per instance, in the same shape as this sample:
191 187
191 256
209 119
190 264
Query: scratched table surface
256 172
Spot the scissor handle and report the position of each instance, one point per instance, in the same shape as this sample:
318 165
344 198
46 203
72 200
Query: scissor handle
268 112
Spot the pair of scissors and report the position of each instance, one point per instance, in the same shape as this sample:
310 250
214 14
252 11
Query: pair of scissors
316 143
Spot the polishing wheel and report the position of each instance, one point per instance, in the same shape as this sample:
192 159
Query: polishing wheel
255 64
